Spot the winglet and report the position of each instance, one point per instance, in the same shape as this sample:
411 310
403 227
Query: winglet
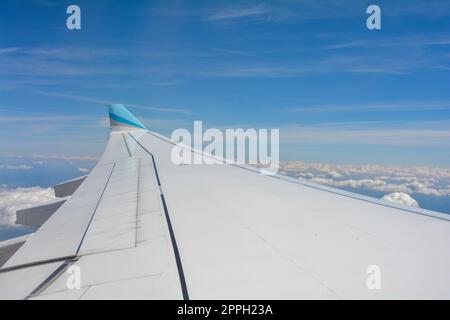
123 120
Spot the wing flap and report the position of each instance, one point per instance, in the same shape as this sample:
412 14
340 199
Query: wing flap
114 225
61 235
20 283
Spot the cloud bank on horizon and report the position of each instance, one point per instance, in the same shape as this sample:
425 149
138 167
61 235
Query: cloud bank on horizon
424 181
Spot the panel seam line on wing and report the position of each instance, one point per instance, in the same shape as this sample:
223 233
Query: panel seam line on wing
169 226
51 278
36 263
126 144
95 210
137 203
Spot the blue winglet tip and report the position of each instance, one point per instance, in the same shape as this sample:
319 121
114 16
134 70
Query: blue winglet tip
123 120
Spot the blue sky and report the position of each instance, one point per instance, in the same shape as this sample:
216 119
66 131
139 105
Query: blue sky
338 91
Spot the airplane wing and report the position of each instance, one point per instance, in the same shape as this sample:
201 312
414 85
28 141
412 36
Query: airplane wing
141 227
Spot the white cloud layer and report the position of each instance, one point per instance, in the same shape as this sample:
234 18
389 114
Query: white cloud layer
16 167
429 181
51 157
401 198
21 198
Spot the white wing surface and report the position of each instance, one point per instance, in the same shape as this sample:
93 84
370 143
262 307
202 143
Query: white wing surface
141 227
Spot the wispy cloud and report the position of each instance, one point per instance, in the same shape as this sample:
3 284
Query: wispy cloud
40 119
233 52
61 62
343 64
381 107
430 9
46 3
154 124
369 133
107 101
16 167
52 157
40 62
8 50
408 41
47 67
237 13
